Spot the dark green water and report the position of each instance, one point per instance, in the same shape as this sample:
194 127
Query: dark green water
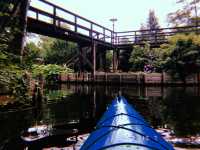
177 108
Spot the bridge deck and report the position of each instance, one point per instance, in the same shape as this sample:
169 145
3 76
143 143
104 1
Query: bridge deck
58 22
47 29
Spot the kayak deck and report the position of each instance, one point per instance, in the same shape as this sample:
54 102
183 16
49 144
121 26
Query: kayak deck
122 128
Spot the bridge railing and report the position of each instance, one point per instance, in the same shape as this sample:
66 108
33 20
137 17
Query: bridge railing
48 12
151 36
45 11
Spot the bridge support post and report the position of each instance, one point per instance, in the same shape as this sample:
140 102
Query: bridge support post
115 59
81 63
18 42
94 59
23 25
102 60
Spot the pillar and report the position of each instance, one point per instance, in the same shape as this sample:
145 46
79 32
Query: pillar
102 60
81 63
23 24
115 60
94 59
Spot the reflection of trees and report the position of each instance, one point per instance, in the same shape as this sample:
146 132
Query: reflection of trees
179 107
156 116
182 111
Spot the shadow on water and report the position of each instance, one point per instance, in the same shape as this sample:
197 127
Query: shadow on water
173 107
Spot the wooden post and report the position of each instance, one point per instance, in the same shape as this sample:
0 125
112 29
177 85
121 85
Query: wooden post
23 24
81 58
54 16
75 20
91 30
101 59
135 37
115 60
94 59
104 60
104 34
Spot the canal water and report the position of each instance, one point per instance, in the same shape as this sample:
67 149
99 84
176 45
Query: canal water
177 108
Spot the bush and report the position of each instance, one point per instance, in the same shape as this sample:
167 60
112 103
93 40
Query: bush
49 70
184 55
13 81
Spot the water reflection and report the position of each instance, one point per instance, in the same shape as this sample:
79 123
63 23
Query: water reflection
182 111
174 107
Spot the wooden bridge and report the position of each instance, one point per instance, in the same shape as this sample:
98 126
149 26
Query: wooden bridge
55 21
58 22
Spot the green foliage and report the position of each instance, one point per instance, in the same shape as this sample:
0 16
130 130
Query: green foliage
49 70
109 56
13 80
9 27
31 54
141 56
57 95
181 56
45 44
137 59
57 51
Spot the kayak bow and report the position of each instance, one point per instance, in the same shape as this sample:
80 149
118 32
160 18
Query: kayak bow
122 128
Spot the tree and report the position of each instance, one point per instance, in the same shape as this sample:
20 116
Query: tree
12 77
109 57
57 51
183 55
143 33
142 56
137 59
188 14
31 53
152 21
153 26
151 31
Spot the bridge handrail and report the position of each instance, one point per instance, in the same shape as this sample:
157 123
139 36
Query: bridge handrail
74 14
157 34
105 34
60 19
160 29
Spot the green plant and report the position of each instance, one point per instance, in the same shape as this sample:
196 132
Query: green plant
57 95
183 55
142 56
49 70
31 54
14 82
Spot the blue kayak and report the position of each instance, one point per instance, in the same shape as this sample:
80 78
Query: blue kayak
122 128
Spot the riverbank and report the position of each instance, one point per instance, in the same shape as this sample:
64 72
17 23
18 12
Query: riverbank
130 78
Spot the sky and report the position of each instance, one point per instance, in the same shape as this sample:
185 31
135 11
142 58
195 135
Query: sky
130 13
